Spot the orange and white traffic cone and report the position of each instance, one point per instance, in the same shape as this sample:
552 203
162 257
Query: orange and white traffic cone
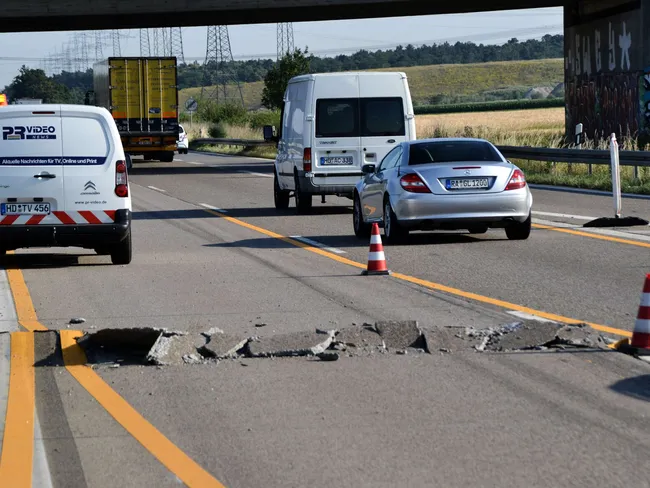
641 335
376 258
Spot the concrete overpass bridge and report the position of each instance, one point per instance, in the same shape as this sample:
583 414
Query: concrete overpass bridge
607 68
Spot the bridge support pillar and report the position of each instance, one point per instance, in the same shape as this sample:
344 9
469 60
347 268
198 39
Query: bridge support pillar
607 69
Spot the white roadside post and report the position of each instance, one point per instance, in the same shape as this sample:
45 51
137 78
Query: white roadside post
579 137
616 175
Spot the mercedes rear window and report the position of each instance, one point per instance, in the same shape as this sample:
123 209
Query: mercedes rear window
360 117
452 152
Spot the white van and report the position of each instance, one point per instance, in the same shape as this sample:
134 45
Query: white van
63 180
331 125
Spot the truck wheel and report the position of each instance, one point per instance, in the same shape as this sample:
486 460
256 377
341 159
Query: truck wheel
122 253
303 200
167 157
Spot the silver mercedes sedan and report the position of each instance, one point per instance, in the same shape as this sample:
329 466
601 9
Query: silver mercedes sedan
446 184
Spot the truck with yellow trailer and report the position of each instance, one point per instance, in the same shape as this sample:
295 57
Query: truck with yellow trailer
142 95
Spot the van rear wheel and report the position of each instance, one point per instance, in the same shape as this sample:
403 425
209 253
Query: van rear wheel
281 197
303 200
122 252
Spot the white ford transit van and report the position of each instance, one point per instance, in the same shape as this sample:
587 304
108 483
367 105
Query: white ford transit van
331 125
63 180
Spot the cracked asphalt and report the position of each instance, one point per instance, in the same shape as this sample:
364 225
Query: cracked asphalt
452 417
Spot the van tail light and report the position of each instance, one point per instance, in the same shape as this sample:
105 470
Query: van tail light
121 180
517 180
413 183
306 159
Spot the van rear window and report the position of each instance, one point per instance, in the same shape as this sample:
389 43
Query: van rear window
337 117
360 117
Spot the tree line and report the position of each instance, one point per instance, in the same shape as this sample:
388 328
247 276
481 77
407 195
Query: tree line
70 87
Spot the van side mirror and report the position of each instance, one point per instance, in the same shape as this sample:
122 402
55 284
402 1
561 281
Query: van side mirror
89 99
367 169
270 133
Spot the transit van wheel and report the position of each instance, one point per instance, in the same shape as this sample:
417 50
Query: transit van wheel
303 200
129 162
122 252
280 196
520 230
361 229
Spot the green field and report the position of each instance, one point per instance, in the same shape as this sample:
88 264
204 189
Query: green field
447 79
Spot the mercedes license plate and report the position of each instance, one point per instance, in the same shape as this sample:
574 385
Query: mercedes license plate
336 160
468 183
25 209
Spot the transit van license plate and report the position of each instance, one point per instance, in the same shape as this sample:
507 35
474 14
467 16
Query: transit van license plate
25 209
468 183
336 160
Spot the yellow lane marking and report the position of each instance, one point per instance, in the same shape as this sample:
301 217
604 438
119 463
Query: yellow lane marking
580 233
18 441
23 300
427 284
22 415
156 443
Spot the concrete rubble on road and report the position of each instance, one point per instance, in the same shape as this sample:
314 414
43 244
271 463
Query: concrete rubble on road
163 347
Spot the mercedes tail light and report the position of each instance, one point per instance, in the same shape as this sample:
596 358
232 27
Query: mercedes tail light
413 183
517 180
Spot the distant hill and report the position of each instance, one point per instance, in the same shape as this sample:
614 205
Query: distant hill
452 83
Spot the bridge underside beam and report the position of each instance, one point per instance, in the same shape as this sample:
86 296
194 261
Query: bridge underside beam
63 15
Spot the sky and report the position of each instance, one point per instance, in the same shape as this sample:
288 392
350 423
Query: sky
326 38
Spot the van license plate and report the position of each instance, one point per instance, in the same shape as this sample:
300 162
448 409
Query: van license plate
25 209
336 160
468 183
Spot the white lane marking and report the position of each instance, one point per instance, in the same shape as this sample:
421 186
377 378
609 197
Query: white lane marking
318 244
263 175
601 231
193 162
157 189
217 209
564 216
527 316
41 476
178 160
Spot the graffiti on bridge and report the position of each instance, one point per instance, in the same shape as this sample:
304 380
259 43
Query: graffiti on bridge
605 103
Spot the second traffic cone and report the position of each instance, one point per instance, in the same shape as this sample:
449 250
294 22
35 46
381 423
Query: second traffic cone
376 258
641 335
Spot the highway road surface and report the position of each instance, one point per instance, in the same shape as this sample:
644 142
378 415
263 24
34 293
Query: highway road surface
211 251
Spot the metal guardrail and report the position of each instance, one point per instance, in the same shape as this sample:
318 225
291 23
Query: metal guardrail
555 155
585 156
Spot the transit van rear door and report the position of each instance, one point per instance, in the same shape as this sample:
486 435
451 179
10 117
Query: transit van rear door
31 166
383 107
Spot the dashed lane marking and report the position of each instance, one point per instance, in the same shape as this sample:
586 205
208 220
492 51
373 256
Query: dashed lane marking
210 207
155 188
319 244
263 175
193 162
20 410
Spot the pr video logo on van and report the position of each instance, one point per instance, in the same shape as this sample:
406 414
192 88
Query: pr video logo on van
20 132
